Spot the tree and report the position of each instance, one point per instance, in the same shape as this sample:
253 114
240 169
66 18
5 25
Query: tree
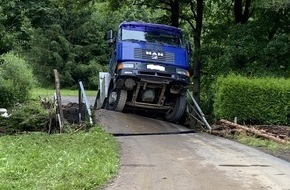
67 37
12 18
257 47
16 80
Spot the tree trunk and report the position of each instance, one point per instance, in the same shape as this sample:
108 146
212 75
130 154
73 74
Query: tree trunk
254 131
197 45
241 16
174 7
238 9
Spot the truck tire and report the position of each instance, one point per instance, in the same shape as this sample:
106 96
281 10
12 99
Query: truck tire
116 100
174 114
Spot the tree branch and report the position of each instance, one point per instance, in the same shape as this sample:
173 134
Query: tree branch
246 14
166 2
149 5
192 9
189 21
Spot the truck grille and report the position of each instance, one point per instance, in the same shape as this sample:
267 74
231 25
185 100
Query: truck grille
153 55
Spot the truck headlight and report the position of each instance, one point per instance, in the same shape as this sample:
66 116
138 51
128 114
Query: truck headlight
126 66
182 72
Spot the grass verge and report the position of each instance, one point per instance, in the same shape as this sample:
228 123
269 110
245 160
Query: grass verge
44 92
268 146
85 160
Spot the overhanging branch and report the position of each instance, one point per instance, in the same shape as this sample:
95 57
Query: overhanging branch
138 3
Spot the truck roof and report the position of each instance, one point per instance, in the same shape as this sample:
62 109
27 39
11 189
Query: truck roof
152 25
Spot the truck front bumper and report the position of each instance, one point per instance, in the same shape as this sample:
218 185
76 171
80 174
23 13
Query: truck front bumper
158 73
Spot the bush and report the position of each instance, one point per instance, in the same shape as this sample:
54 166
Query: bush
27 117
88 74
256 101
16 80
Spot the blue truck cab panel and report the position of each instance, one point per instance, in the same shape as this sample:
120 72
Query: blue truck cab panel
147 50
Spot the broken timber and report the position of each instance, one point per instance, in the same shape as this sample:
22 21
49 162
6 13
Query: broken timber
254 131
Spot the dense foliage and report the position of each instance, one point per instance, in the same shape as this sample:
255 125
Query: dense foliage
257 46
30 116
16 80
253 100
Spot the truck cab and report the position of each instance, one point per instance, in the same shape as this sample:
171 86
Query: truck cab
148 69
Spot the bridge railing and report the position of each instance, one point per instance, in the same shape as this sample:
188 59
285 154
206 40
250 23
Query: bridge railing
83 101
195 112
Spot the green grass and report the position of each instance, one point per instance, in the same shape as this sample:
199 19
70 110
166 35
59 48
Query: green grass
39 161
44 92
259 142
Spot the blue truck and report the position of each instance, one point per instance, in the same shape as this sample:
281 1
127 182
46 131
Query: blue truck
148 69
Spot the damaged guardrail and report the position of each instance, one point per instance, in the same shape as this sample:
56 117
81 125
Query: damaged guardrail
84 101
195 112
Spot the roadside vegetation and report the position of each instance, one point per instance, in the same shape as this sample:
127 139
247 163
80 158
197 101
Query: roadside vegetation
277 149
262 105
48 93
33 159
254 141
16 79
83 160
253 100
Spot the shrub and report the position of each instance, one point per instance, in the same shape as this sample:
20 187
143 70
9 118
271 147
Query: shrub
27 117
16 80
253 100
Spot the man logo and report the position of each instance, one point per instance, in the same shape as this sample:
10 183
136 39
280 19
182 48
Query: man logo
154 55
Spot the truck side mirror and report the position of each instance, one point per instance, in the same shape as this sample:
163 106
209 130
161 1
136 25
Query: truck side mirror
110 37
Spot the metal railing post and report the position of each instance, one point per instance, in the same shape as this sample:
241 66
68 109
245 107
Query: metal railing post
198 111
83 97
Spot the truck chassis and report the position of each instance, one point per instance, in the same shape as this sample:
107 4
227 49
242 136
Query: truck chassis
162 96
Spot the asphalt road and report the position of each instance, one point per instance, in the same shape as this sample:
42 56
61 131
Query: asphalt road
155 156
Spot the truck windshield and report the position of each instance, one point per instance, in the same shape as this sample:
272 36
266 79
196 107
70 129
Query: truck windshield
151 36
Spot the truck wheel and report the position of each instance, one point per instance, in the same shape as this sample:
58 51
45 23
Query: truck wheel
176 112
116 99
